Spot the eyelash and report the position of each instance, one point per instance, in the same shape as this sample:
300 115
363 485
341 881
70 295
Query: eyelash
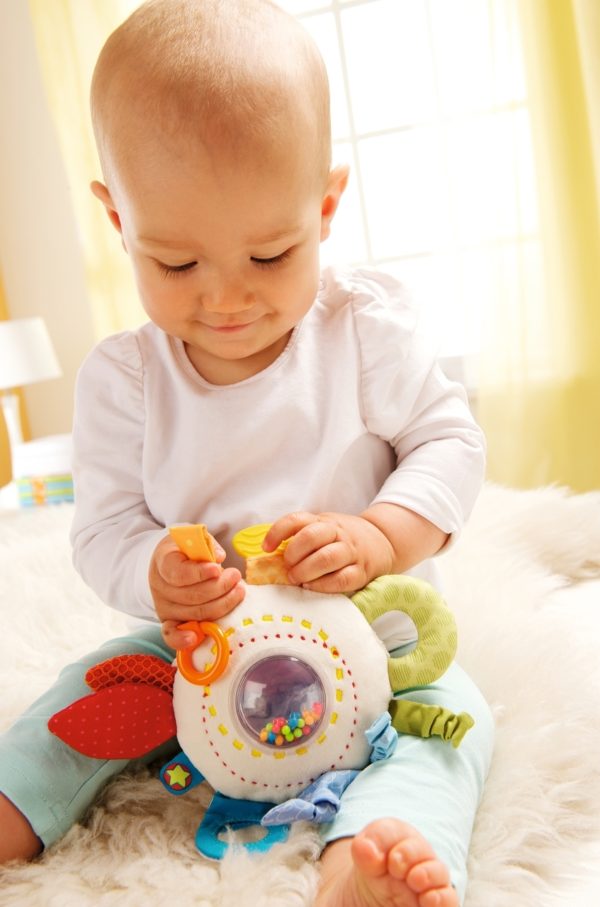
175 270
272 262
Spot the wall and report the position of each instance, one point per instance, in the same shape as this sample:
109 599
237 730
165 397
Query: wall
40 257
4 453
5 458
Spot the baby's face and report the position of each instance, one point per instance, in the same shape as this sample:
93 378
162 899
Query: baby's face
226 257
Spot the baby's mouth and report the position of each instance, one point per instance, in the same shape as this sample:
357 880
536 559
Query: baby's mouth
232 327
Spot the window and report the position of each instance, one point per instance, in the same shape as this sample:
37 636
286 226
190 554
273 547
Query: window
429 108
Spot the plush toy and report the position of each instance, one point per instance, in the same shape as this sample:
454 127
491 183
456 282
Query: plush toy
282 701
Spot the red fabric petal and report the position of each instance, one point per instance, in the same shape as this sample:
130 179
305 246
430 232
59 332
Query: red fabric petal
148 669
120 722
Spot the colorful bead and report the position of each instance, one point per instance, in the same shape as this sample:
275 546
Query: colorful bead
281 730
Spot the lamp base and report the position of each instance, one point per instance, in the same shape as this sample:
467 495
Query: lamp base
12 416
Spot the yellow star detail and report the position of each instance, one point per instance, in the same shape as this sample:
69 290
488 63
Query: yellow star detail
177 776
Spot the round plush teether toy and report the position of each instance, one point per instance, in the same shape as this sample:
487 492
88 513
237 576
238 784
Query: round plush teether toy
280 691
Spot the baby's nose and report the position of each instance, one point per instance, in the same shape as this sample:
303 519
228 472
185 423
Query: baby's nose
226 298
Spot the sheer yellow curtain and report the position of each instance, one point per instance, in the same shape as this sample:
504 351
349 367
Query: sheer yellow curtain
69 35
540 375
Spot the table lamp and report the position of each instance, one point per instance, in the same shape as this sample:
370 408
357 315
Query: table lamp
26 356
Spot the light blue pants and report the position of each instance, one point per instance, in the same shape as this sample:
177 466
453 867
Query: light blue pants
426 782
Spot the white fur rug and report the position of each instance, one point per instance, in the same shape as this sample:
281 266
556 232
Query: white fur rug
529 626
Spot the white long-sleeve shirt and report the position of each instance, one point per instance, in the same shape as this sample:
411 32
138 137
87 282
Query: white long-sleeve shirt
354 411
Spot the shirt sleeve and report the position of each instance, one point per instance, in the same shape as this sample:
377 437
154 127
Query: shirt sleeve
408 401
113 533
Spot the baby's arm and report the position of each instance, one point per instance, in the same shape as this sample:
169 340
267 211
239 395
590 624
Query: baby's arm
338 552
440 455
120 548
183 590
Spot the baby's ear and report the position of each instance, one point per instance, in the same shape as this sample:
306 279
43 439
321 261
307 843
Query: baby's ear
336 183
103 195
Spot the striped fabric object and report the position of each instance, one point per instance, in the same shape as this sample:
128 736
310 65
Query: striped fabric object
36 491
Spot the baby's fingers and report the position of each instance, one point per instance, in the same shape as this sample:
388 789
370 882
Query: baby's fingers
178 570
349 579
204 601
176 638
286 527
204 593
316 550
308 564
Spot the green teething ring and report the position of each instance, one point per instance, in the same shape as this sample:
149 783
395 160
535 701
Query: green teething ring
436 627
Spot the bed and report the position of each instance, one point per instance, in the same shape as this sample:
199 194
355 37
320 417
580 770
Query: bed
524 583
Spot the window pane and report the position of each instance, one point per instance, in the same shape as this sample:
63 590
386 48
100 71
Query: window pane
525 174
477 55
406 192
433 282
297 7
323 30
509 84
457 292
442 191
462 49
347 243
496 284
389 62
490 169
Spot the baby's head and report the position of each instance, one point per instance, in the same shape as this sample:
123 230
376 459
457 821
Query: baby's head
212 124
238 77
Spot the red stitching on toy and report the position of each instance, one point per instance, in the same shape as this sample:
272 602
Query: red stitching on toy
288 785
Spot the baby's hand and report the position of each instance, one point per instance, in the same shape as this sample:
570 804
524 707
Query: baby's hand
183 590
331 552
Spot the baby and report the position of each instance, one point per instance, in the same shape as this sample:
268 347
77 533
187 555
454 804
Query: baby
259 390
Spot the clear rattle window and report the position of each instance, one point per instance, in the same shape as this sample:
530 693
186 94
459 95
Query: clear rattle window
280 701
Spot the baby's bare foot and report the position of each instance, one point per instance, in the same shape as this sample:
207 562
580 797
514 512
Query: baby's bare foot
389 864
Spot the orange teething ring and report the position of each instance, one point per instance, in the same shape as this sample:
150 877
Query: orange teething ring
202 629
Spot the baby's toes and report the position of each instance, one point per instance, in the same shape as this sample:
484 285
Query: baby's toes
413 861
439 897
427 875
409 853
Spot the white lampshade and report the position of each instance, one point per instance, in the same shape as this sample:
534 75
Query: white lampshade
26 353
